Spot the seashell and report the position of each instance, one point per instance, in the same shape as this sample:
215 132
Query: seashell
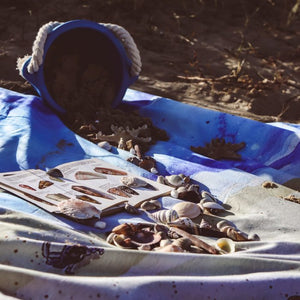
118 191
87 199
151 205
187 209
91 192
136 182
128 190
82 175
174 180
144 237
225 245
224 223
185 178
153 170
183 243
213 207
105 145
183 221
57 197
78 209
131 209
208 196
253 237
126 229
122 144
145 247
236 235
194 187
25 186
183 193
100 224
174 193
55 172
110 238
165 242
205 224
109 171
170 248
123 242
44 184
164 216
161 179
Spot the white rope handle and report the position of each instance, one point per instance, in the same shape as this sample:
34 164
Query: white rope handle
121 33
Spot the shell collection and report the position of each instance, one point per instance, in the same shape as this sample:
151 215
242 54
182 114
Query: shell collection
180 227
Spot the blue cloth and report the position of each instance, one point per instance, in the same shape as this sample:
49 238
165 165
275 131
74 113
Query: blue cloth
32 136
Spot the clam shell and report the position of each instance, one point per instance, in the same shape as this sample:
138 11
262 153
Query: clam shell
78 209
209 196
213 206
174 180
187 209
164 216
225 245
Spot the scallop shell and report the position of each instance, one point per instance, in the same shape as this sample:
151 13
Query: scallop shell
225 245
164 216
174 180
78 209
187 209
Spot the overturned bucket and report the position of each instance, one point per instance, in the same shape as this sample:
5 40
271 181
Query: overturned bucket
82 64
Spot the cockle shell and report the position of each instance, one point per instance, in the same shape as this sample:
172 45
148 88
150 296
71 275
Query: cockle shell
187 209
136 182
82 175
225 245
174 180
78 209
164 216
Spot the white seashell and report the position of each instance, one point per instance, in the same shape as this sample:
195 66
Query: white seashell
213 206
161 179
209 196
78 209
100 224
165 242
174 180
224 223
153 170
151 205
174 193
164 216
105 145
225 245
136 182
187 209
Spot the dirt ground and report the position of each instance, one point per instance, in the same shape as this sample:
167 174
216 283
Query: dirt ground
236 56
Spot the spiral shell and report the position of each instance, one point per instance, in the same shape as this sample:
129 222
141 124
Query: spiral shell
164 216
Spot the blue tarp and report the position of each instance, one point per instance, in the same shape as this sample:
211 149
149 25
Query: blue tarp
33 136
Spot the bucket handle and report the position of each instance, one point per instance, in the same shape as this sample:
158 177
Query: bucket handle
38 48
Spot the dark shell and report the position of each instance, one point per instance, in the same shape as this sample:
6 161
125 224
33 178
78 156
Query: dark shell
109 171
128 190
44 184
118 191
131 209
91 192
55 173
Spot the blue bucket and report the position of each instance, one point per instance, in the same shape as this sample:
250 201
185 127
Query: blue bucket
98 57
